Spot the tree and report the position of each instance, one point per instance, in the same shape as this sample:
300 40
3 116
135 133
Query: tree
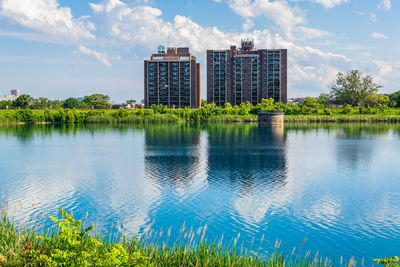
98 101
352 88
376 100
5 103
395 99
71 103
40 103
23 101
324 99
310 102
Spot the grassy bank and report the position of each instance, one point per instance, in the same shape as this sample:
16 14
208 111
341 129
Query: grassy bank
342 118
73 245
208 113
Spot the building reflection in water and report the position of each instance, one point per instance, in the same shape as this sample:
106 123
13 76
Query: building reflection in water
250 160
177 156
245 162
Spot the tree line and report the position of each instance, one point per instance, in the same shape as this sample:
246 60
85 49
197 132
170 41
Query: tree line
95 101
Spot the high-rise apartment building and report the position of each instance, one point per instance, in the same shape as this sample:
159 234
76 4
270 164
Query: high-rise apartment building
246 74
172 78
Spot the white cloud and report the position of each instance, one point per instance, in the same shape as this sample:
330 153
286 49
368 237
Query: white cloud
280 12
331 3
103 57
371 16
248 24
385 5
377 35
142 25
48 17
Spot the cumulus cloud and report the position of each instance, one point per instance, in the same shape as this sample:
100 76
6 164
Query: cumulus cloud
385 5
331 3
371 16
48 17
309 69
103 57
248 24
377 35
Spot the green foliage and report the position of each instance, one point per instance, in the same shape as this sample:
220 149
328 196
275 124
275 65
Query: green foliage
5 104
40 103
324 100
71 103
74 246
394 99
389 262
310 102
23 101
207 113
376 100
97 101
352 88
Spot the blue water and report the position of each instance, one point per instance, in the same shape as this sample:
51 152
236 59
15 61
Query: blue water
336 185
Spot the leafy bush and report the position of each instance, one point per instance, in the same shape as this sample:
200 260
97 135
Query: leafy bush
389 262
74 246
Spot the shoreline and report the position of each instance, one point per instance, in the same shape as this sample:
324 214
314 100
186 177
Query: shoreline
165 118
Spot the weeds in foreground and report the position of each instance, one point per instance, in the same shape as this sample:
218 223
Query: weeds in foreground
73 245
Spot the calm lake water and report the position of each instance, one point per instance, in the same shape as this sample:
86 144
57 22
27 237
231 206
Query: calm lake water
336 185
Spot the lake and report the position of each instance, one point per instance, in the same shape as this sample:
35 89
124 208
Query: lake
335 185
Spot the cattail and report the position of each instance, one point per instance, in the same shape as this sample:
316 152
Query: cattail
362 262
169 232
351 262
308 253
204 233
222 238
293 250
341 260
183 227
199 231
304 241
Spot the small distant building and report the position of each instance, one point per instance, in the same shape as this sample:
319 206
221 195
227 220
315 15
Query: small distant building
296 100
13 96
172 78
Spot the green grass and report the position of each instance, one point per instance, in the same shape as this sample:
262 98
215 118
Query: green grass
342 118
163 115
22 247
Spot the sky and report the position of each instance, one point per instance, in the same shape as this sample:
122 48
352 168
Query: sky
72 48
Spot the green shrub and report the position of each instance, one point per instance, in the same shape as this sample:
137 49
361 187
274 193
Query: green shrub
74 246
389 262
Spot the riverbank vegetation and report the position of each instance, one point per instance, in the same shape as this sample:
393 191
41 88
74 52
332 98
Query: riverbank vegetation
310 110
71 244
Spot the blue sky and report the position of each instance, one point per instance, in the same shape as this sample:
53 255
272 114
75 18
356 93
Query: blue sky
62 48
